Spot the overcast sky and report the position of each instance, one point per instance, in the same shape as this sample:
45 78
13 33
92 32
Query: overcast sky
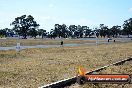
79 12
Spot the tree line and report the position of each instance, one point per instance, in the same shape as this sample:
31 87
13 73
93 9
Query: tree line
27 26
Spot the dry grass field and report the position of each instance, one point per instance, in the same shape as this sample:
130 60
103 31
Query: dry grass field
32 68
32 42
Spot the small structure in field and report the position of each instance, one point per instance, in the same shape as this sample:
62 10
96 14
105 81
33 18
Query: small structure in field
18 47
61 43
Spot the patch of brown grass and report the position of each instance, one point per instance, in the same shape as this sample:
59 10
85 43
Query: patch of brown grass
36 67
32 42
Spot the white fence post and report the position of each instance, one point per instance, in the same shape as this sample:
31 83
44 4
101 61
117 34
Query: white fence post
18 48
